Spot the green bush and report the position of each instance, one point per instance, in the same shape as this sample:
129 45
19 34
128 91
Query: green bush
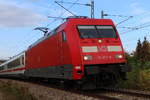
139 78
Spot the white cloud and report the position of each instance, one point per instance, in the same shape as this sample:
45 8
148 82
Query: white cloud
12 15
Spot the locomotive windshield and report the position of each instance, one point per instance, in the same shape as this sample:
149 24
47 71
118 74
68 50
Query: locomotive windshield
96 31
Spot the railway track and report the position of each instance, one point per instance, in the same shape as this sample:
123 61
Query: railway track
129 92
87 94
101 93
110 93
113 94
97 96
105 93
124 94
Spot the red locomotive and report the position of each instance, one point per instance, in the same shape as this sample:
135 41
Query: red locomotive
82 50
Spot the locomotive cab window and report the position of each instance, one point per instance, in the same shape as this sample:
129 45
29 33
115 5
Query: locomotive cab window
87 31
64 38
106 31
96 31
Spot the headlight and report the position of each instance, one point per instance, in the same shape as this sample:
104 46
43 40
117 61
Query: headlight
119 56
100 41
88 57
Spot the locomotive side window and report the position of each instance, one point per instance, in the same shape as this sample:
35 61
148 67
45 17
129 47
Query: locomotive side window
96 31
64 36
14 63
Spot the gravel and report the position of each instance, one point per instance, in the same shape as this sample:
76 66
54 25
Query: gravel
46 93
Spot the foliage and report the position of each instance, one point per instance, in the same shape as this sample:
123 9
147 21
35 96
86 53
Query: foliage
139 78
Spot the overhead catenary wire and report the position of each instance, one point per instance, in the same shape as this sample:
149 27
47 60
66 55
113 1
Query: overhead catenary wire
61 14
69 8
91 5
143 28
124 20
137 28
75 3
118 15
105 14
142 15
65 8
52 21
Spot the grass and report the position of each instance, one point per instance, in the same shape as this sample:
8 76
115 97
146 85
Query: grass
11 91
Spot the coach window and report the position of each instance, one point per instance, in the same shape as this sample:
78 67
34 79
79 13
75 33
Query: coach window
2 68
14 63
64 36
22 58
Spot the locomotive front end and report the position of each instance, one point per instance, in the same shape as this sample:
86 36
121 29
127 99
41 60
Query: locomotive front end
100 45
102 53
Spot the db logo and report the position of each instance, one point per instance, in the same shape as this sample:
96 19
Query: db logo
103 48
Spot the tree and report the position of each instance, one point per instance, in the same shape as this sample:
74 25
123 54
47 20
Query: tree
145 51
142 53
138 51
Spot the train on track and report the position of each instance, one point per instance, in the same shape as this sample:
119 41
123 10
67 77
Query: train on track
82 50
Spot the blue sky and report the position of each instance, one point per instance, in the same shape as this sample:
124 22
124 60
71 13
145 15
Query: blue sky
18 18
